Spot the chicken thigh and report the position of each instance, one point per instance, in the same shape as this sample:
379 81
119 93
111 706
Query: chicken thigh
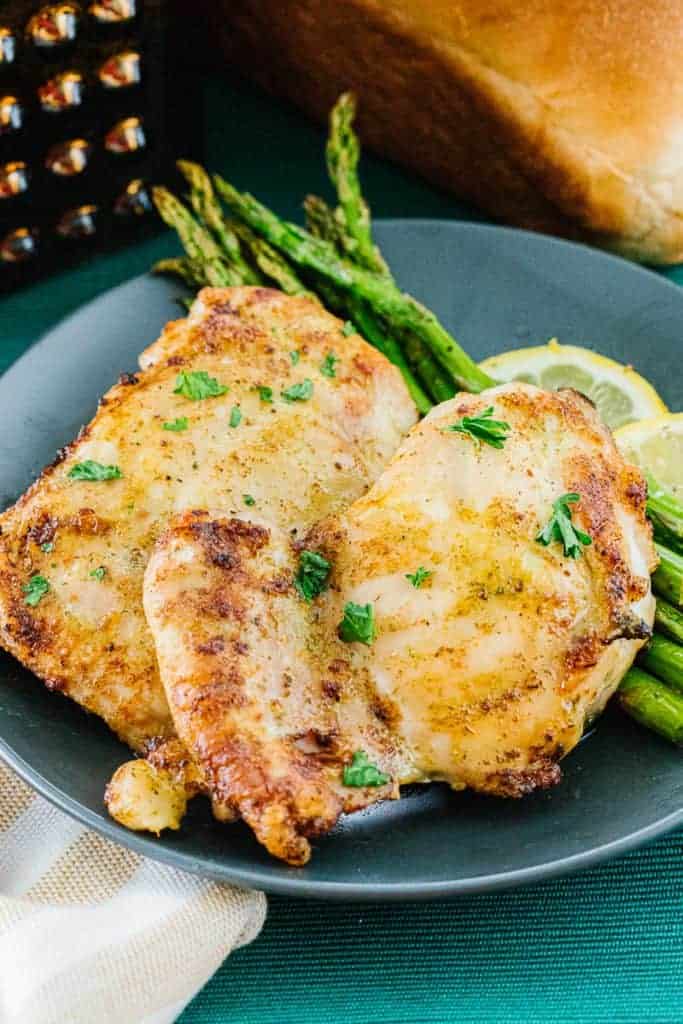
448 625
256 399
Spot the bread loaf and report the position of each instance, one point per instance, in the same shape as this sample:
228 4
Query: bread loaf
564 116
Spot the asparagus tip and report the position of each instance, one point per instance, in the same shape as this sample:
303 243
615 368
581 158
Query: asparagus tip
194 174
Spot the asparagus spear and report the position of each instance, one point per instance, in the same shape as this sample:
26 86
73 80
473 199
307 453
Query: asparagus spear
322 222
652 704
371 330
207 208
353 234
343 152
272 264
439 385
666 513
196 240
400 311
191 273
667 578
664 659
669 620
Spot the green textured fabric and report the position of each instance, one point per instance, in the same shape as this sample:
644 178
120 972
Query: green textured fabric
604 946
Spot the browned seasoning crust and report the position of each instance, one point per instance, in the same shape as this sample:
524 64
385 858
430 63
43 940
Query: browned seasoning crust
265 732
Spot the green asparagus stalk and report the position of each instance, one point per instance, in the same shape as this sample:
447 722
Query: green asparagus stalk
208 210
664 659
322 222
667 579
669 620
191 273
196 240
400 311
372 331
652 704
666 513
439 385
272 264
343 154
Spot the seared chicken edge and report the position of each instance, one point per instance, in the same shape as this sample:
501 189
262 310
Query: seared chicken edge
483 676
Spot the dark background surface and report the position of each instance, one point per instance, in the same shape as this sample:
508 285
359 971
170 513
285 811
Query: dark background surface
602 946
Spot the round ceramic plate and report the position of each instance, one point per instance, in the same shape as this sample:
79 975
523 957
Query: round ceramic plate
495 289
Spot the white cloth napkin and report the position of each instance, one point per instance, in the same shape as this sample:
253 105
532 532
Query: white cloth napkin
91 933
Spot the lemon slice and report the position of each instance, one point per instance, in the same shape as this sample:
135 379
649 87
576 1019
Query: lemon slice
656 445
620 394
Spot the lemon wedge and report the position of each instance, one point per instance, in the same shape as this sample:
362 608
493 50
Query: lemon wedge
656 445
620 394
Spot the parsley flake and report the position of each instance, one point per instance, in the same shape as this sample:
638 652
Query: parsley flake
327 366
235 416
90 470
265 393
197 384
362 773
561 528
35 590
358 624
418 577
47 547
294 356
483 428
181 423
348 329
99 573
311 579
300 392
248 500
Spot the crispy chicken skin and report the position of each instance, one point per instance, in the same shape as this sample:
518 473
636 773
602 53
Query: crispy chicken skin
299 460
483 676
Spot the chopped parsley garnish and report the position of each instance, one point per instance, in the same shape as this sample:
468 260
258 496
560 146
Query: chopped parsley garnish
248 500
35 590
181 423
294 356
235 416
562 529
99 573
197 384
418 577
90 470
483 428
327 366
314 571
265 393
348 329
47 547
300 392
362 773
358 624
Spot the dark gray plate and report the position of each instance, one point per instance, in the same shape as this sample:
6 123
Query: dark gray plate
496 289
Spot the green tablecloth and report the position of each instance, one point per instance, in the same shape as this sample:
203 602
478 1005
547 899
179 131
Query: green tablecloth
605 946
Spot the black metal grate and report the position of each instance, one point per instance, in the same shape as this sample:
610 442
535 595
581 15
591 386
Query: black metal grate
84 102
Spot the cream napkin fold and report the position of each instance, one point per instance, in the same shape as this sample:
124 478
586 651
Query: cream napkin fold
91 933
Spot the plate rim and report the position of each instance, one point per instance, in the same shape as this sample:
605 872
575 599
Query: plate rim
339 891
300 887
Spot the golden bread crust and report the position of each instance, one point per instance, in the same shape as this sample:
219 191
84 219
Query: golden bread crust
561 118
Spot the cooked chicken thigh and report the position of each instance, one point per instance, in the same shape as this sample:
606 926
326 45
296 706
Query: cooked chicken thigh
166 439
469 650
